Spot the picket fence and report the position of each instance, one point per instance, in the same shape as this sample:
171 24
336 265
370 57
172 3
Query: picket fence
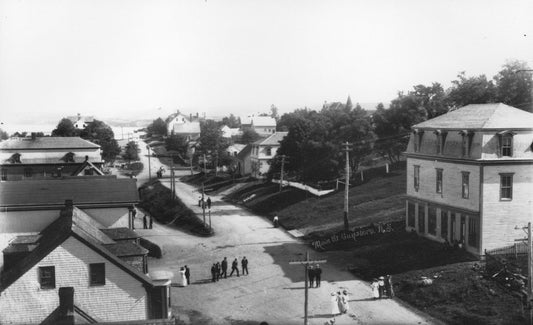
304 187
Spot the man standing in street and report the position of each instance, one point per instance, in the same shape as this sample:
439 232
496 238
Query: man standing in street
311 275
234 267
209 203
145 225
218 271
224 271
244 264
188 274
318 274
213 272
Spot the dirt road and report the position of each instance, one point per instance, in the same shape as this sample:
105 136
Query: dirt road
274 289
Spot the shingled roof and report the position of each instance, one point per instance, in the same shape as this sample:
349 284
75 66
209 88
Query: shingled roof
40 143
67 225
90 190
481 117
272 140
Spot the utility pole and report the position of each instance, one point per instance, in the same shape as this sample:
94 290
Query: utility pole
306 263
529 305
283 157
347 148
149 168
203 202
205 169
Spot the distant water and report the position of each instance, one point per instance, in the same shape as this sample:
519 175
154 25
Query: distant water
126 132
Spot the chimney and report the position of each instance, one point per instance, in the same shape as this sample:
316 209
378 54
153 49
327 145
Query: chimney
69 203
86 158
66 306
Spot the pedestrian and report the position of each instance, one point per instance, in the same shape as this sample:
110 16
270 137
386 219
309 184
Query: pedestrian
389 286
318 275
275 221
375 288
218 271
381 284
244 264
340 302
151 222
311 276
224 270
209 203
234 267
188 274
213 272
334 304
183 279
145 225
345 304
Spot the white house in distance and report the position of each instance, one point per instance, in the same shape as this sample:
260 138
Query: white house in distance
68 273
79 121
470 176
186 126
263 125
263 151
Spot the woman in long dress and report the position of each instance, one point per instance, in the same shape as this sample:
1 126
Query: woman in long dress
183 278
375 288
344 299
334 304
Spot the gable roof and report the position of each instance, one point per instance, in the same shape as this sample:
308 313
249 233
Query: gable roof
68 224
84 165
89 190
272 140
186 128
481 117
246 151
41 143
263 121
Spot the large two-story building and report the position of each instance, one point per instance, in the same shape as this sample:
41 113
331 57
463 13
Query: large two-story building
470 176
263 151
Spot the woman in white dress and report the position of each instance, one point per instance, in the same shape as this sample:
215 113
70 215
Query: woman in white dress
183 278
345 304
335 304
375 288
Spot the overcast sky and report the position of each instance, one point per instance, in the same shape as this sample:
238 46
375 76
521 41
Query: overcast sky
146 58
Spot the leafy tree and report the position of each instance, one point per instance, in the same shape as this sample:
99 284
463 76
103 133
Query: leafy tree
102 134
158 127
249 136
231 121
3 135
177 143
471 90
131 151
514 84
212 144
274 112
65 128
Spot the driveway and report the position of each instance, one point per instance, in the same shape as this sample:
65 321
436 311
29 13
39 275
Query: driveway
274 289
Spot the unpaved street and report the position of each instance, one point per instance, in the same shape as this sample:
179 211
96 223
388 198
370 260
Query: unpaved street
274 289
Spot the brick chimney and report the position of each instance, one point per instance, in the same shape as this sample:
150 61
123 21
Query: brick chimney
66 306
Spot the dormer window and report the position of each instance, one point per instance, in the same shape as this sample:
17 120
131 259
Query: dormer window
68 157
268 151
418 139
441 140
466 142
506 143
15 158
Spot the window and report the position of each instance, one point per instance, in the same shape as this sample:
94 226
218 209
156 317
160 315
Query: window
432 221
28 172
507 145
47 277
411 214
438 185
269 151
506 187
418 140
466 142
465 184
97 274
441 140
421 220
416 180
444 224
4 174
473 232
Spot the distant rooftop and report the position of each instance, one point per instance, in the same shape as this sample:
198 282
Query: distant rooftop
272 140
40 143
481 116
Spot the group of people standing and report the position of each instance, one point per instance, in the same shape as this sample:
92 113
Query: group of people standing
204 204
339 303
314 274
185 276
220 269
382 287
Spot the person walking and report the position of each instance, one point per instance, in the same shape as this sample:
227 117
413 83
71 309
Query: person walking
318 275
213 272
334 304
188 274
311 275
151 222
209 203
389 286
234 267
381 283
218 271
375 288
344 300
145 222
183 279
244 264
224 268
275 221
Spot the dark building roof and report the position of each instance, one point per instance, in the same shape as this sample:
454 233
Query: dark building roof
272 140
481 116
126 248
67 225
40 143
120 233
91 190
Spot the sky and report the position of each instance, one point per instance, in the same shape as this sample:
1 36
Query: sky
138 59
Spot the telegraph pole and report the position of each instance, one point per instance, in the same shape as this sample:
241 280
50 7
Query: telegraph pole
283 157
529 305
347 148
203 202
149 168
306 263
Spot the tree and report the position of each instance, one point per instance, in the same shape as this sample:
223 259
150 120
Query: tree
131 151
3 135
158 127
212 144
102 134
471 90
249 136
231 121
177 143
514 85
274 112
65 128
